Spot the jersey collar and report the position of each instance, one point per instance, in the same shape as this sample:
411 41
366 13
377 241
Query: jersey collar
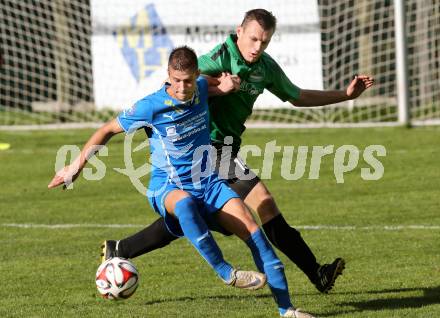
175 101
243 68
231 41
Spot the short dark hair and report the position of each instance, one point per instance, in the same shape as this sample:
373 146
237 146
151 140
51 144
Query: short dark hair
264 18
183 58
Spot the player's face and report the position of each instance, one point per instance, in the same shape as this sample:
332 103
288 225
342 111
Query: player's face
183 83
253 40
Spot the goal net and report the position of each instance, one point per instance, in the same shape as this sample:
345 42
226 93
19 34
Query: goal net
80 62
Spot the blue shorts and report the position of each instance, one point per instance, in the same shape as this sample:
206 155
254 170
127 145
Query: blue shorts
210 198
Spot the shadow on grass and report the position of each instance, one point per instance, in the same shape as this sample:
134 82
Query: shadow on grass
382 291
207 297
430 296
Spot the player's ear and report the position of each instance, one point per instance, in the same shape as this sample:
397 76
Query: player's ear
198 73
239 30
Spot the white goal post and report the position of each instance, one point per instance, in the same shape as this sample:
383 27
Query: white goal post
77 63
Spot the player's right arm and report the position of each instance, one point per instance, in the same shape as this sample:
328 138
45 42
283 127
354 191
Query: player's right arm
284 89
69 173
308 97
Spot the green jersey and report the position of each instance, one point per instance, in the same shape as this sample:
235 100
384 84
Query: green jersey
228 113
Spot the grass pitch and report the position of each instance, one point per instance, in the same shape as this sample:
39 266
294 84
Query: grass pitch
393 268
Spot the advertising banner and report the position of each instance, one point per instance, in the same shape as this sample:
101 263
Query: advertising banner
132 40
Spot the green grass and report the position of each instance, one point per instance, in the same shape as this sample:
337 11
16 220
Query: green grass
389 273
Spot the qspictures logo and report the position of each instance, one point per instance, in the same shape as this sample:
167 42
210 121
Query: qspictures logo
144 43
294 162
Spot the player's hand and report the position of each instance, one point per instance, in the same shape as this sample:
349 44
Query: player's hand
236 81
65 176
228 82
358 85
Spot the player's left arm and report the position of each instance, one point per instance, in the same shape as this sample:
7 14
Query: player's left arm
308 97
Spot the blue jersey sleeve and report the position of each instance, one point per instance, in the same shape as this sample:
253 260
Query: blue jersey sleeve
138 116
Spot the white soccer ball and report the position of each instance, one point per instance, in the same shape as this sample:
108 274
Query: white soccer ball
117 278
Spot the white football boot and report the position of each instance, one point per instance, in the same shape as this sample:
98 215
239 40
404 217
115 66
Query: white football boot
296 313
247 279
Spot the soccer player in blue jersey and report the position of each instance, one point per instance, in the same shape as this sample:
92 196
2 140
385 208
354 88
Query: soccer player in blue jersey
183 188
243 54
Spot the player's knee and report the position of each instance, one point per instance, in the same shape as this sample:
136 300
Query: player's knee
245 216
267 208
185 209
172 198
248 226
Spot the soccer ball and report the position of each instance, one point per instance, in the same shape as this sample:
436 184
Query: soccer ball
117 278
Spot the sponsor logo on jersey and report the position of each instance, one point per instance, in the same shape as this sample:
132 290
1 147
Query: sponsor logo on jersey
168 116
171 131
250 88
144 42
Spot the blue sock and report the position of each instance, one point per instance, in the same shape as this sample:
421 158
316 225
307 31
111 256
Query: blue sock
196 231
268 262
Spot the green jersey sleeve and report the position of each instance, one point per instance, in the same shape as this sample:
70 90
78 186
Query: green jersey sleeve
281 86
212 62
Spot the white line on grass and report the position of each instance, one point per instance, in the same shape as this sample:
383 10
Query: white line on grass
301 227
373 227
67 226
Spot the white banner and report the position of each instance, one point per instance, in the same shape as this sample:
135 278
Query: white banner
132 40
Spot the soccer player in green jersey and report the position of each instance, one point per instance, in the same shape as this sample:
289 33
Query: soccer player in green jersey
243 54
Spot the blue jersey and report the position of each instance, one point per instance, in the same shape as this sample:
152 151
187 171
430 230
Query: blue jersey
178 133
